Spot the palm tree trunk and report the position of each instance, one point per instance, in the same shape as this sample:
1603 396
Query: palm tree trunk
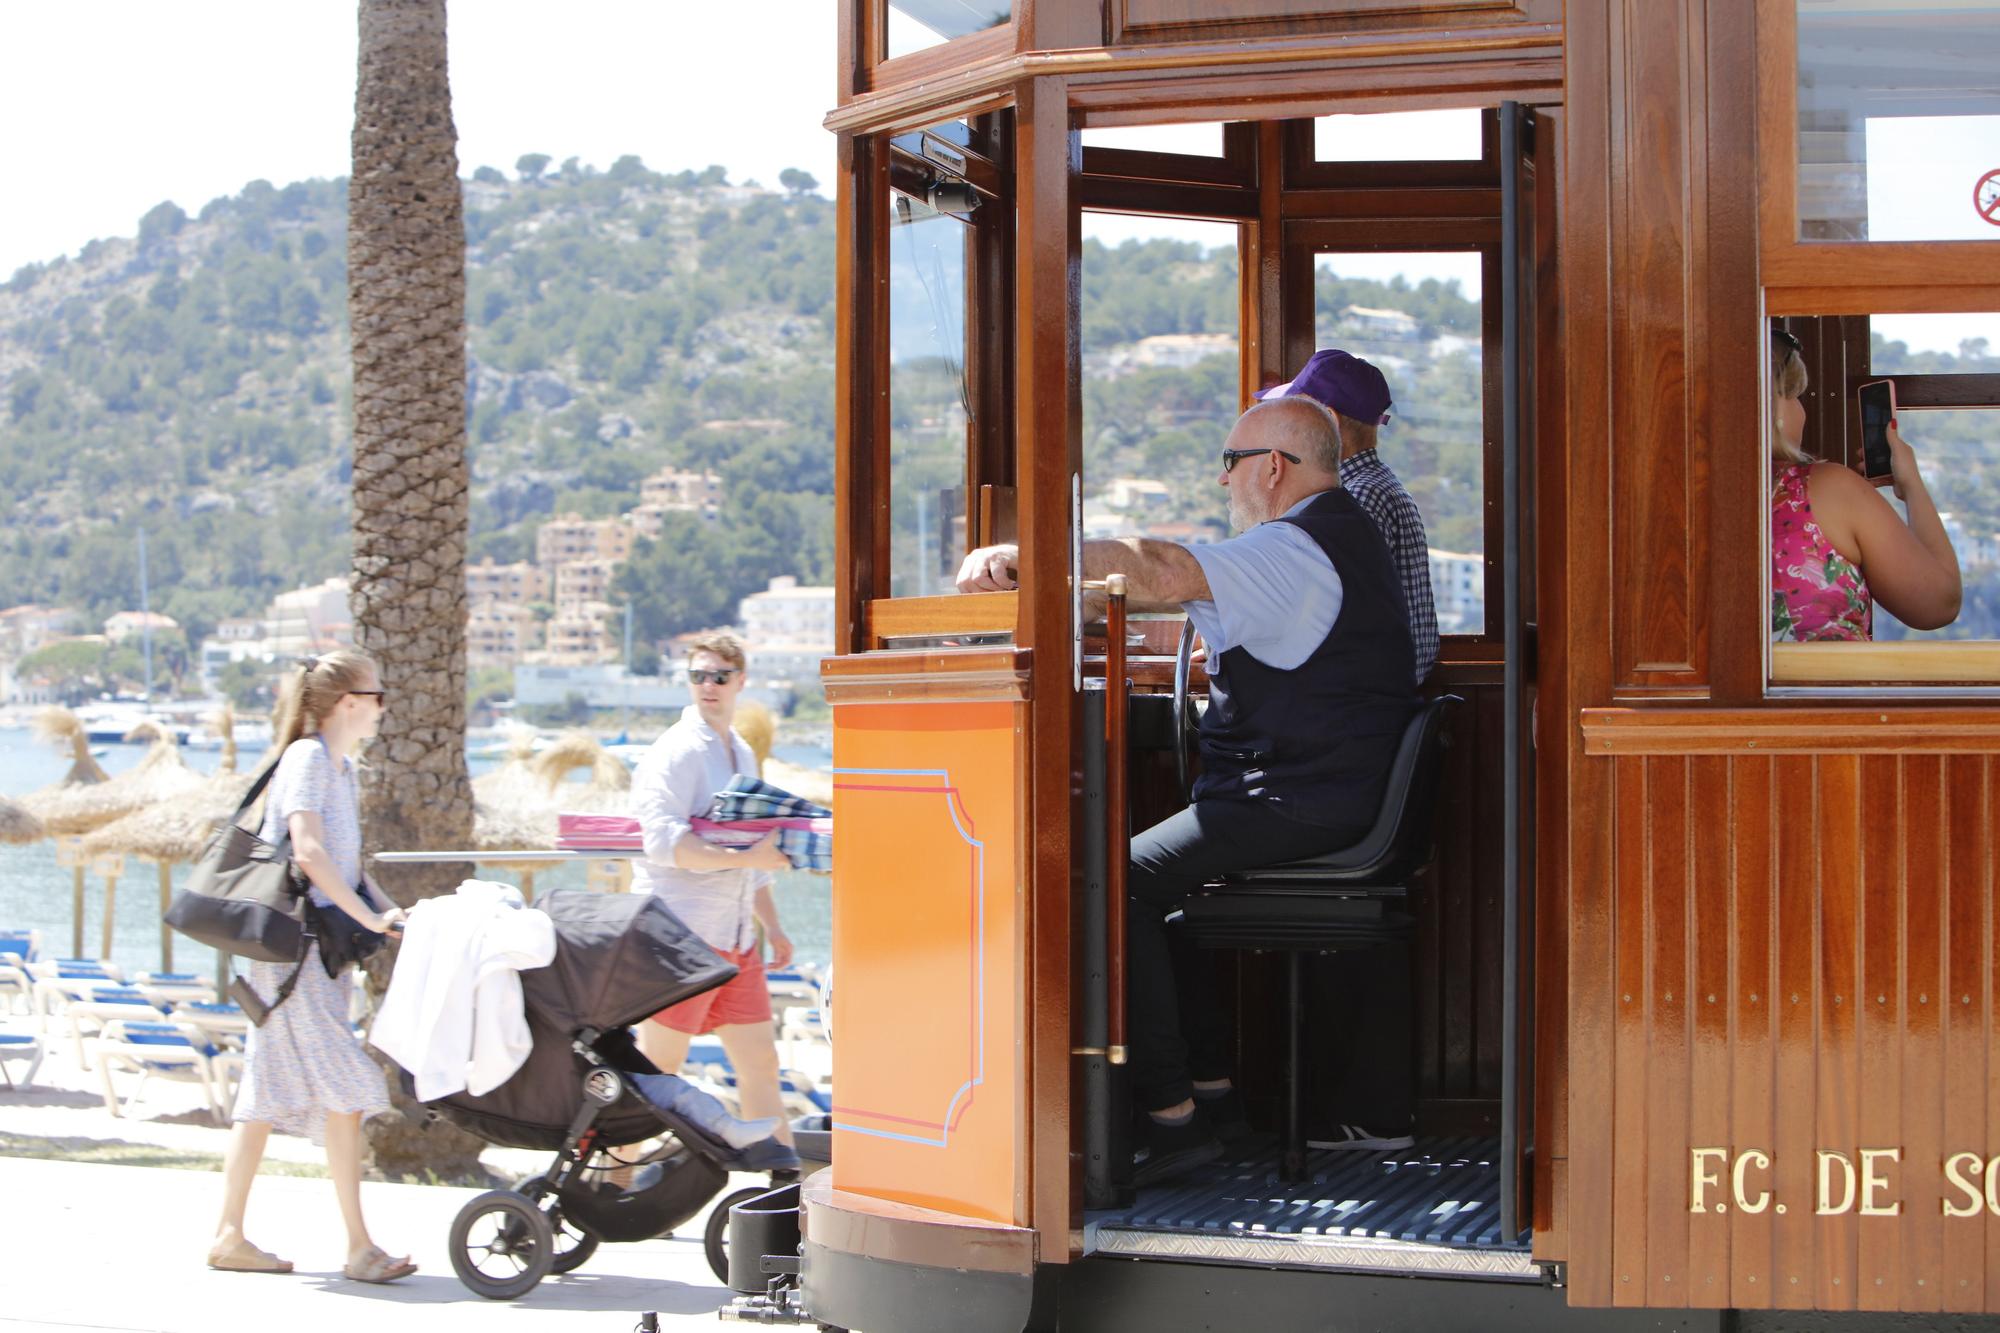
406 314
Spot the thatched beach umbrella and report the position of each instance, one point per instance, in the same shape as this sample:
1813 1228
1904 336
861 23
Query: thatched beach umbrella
17 825
510 807
168 833
86 804
82 804
64 730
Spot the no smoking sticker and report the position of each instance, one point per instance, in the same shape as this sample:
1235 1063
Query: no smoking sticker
1986 197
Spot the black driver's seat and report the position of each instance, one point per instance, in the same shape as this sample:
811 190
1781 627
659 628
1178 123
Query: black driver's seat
1352 898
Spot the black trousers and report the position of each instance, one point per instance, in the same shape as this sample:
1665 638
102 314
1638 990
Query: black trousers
1175 1025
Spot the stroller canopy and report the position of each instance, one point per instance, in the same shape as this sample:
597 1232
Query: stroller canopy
620 957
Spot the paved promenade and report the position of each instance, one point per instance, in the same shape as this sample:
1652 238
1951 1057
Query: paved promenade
94 1246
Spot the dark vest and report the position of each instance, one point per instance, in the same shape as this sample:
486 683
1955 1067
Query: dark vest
1317 741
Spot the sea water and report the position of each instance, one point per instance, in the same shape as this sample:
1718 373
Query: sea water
36 893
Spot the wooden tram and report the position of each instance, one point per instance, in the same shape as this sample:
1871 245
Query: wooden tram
1704 969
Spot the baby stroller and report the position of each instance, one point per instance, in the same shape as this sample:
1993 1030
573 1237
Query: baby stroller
583 1092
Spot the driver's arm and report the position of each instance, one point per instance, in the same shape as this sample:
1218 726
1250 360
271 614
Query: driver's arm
1158 575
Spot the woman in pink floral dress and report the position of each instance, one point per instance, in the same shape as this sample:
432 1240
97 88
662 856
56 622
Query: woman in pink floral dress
1837 546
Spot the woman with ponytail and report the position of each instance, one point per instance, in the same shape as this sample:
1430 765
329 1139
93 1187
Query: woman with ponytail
304 1070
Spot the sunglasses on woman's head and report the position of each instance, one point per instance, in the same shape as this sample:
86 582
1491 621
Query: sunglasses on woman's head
1229 456
718 677
1788 339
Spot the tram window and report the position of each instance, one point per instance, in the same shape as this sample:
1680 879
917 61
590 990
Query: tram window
1160 374
1417 316
929 398
917 25
1898 115
1946 373
1198 140
1399 136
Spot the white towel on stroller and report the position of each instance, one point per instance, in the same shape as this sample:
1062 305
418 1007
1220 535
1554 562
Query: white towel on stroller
453 1015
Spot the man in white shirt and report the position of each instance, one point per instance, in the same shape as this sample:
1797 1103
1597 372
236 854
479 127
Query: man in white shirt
1311 682
721 893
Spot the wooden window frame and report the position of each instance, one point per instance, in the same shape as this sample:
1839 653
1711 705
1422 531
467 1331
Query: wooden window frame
1843 277
1304 170
1855 278
1308 238
1931 668
880 72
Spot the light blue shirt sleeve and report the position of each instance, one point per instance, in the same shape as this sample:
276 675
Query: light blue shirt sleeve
1273 592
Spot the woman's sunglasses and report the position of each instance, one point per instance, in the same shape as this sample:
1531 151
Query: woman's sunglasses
379 696
1788 339
719 677
1229 456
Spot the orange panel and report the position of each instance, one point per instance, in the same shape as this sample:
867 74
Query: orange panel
927 986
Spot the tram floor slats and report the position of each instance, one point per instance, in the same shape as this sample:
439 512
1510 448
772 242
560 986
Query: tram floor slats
1439 1192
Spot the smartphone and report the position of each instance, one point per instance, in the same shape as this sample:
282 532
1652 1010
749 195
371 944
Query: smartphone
1878 413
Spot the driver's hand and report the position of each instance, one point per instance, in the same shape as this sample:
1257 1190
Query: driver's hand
990 569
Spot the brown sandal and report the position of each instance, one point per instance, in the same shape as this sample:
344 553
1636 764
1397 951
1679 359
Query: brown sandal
375 1266
243 1257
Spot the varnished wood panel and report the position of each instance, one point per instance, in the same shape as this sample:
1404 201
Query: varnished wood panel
1184 20
948 613
1800 959
1658 491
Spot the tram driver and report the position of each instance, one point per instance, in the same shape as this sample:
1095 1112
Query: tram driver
1311 682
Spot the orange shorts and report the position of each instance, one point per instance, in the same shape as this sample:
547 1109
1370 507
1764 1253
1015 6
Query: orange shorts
744 998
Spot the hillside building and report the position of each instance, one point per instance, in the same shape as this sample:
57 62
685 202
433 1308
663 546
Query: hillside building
787 629
499 633
579 635
1458 591
580 581
672 491
25 628
310 620
519 583
131 624
1382 323
561 540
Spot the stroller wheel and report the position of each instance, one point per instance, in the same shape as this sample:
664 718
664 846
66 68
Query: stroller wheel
715 1236
573 1245
501 1245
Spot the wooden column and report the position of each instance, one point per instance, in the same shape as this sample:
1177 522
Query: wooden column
861 389
1048 413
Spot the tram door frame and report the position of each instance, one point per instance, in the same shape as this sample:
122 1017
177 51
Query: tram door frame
1521 329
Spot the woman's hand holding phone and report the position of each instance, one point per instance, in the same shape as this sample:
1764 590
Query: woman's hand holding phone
1902 462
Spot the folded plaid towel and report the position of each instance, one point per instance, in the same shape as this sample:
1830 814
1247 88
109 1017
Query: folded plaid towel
745 811
747 800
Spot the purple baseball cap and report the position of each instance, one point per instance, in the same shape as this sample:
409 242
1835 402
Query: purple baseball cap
1347 384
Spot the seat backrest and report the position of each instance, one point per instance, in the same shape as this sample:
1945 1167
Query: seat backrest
1399 842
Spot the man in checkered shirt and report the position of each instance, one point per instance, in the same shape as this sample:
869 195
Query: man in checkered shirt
1372 989
1359 397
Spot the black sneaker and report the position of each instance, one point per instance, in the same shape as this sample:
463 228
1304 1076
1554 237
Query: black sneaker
1356 1138
1173 1150
1226 1117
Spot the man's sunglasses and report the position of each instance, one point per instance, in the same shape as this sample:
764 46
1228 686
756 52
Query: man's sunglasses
720 677
1229 456
379 696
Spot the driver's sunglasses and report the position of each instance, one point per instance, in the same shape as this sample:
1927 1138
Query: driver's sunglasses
718 677
1229 456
